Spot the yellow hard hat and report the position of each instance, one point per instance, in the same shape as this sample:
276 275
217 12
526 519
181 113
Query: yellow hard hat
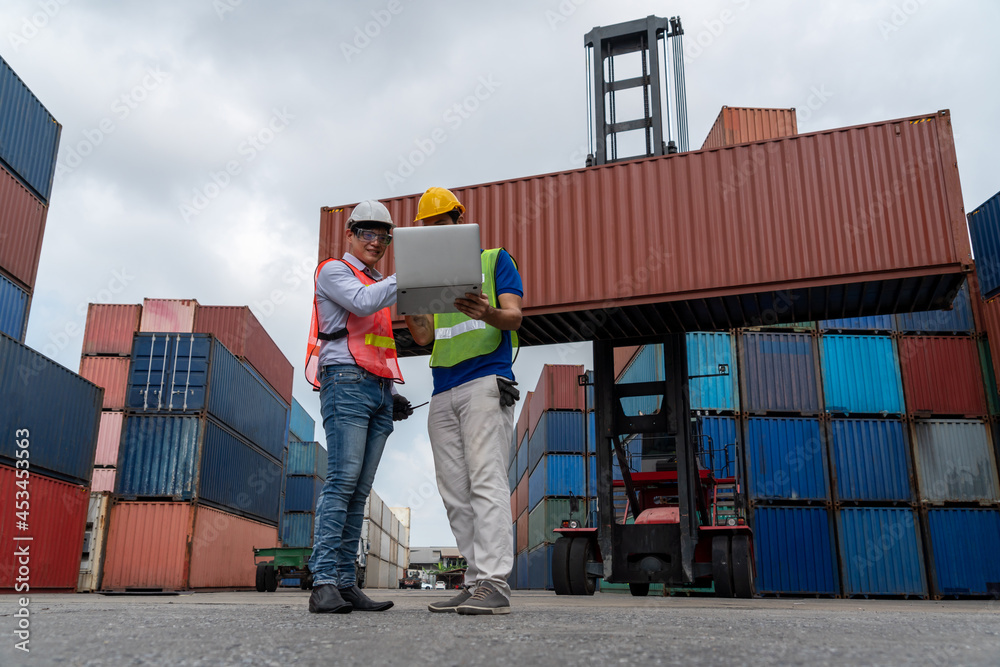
435 202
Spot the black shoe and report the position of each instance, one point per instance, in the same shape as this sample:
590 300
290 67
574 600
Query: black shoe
325 599
361 602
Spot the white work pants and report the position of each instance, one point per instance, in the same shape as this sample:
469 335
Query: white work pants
470 437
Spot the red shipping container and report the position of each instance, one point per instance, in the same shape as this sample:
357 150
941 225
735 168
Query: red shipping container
557 389
56 520
521 531
179 546
22 225
987 319
110 327
729 236
103 480
521 491
173 315
110 373
740 125
108 439
942 375
521 427
624 356
241 333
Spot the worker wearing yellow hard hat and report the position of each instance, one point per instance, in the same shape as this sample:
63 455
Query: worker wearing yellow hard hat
471 420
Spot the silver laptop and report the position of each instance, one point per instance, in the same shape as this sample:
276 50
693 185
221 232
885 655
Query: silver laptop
434 266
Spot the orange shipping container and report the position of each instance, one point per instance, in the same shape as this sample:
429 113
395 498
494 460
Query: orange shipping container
522 495
108 438
740 125
942 375
786 230
521 428
513 506
174 315
110 328
557 389
55 521
179 546
522 532
22 225
110 373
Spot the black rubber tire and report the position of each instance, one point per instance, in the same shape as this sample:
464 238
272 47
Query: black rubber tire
260 581
560 566
639 590
270 578
742 550
722 571
581 550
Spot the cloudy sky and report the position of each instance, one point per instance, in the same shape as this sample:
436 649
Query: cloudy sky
201 137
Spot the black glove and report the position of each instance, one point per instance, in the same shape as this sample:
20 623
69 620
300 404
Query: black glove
509 395
401 408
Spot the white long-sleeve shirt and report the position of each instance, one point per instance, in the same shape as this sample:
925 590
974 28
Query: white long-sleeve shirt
338 293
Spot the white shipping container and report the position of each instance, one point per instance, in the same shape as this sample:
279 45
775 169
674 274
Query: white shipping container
385 546
94 540
385 574
386 518
401 556
403 514
372 572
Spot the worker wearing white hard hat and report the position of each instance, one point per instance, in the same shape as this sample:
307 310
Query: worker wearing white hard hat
351 360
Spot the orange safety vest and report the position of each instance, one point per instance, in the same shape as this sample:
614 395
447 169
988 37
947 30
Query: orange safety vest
369 339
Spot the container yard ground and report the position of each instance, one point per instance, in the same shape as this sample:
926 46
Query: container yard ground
275 629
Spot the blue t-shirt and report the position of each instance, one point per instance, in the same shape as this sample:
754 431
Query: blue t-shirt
508 281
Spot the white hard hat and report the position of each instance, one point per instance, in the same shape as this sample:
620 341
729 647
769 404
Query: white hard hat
370 210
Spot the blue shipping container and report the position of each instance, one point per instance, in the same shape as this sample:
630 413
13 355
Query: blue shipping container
191 373
512 475
871 459
301 425
957 319
58 409
196 458
29 135
984 228
787 459
557 431
522 458
540 568
592 432
297 529
646 366
14 304
872 323
794 551
306 458
779 372
706 351
881 553
965 544
861 375
556 475
302 492
719 445
522 570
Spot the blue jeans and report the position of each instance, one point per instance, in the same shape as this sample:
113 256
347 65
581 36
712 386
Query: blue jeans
357 418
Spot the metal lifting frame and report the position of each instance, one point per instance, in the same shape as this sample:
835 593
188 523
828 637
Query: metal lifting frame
642 35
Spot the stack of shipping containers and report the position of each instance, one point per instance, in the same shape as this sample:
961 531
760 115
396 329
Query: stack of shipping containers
385 538
47 454
204 422
551 474
305 471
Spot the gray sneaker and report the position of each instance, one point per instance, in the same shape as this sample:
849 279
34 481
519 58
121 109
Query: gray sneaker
452 604
486 600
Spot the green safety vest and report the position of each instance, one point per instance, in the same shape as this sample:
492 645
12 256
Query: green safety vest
458 338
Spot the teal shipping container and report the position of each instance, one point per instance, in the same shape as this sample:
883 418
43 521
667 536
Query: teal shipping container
706 353
861 375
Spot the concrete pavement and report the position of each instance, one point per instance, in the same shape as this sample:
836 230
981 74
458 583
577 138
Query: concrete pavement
544 629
